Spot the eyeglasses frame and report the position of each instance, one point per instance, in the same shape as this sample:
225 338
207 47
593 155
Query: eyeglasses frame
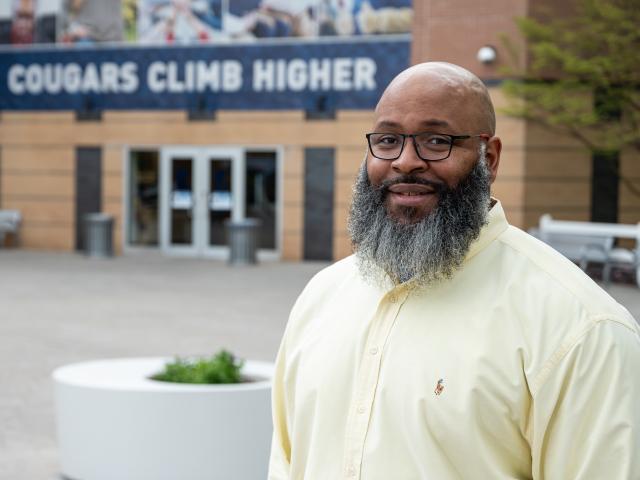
404 136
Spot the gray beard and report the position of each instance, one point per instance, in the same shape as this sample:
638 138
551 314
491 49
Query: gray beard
429 250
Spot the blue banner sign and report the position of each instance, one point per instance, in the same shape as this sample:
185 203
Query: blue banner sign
272 76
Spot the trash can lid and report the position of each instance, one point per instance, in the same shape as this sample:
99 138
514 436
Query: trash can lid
98 217
247 222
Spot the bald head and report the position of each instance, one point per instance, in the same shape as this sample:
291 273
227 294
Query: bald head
463 92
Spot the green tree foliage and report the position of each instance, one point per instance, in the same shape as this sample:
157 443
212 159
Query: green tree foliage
582 73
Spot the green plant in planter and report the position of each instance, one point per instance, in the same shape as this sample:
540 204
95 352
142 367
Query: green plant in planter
222 367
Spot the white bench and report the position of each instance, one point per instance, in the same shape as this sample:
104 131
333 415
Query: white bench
9 223
585 242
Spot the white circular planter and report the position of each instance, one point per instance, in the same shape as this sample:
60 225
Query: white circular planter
114 422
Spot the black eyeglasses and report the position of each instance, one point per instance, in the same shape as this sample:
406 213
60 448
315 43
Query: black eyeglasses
429 146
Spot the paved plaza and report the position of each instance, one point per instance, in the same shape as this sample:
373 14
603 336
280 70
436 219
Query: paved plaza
58 308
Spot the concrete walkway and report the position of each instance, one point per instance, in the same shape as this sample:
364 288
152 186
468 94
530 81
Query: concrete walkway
57 309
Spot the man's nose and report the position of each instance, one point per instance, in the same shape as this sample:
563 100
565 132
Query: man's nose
409 161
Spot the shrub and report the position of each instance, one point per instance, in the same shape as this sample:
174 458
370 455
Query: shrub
222 367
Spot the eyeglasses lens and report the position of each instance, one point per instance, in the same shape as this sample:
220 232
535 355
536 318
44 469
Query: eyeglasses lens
430 146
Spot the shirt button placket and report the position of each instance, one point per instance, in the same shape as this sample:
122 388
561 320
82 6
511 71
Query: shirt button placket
367 391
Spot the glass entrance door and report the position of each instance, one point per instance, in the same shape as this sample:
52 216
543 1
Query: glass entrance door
201 189
181 203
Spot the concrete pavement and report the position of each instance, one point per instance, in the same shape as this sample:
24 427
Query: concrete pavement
57 309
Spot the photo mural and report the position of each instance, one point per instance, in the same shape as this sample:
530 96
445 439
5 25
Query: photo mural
188 22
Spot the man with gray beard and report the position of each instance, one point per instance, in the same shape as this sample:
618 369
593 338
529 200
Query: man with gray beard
431 248
451 345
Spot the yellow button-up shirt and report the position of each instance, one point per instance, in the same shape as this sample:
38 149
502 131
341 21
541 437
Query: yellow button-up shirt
519 367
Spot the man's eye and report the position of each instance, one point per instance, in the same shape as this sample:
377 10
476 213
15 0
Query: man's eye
388 140
434 141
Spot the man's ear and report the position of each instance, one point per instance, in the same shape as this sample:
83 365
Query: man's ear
494 147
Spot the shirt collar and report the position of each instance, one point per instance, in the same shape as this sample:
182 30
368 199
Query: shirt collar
496 224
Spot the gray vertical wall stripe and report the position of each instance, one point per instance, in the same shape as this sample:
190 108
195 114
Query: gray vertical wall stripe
88 186
319 166
605 187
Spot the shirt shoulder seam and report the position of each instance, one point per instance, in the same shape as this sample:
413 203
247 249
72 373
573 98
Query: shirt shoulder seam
545 371
565 286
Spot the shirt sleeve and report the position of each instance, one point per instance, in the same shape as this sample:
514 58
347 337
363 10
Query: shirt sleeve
279 462
585 415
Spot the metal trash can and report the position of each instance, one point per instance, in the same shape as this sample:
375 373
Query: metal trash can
98 235
242 237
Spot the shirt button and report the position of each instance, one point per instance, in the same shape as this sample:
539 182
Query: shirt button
351 472
361 409
373 351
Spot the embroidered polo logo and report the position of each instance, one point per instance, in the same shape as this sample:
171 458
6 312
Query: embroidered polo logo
439 387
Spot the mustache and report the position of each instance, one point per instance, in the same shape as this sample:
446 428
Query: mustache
438 187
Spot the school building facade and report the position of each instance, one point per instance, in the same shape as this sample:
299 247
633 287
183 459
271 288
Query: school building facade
174 141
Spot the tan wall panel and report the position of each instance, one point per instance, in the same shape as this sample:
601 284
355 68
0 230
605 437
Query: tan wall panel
630 164
328 133
342 193
293 218
362 116
515 216
629 192
112 187
321 133
511 131
114 208
293 161
259 116
293 193
112 160
341 246
509 192
547 162
37 185
43 212
532 215
46 237
500 101
38 160
554 194
512 162
33 134
540 136
631 216
292 247
141 116
272 130
531 219
56 118
348 161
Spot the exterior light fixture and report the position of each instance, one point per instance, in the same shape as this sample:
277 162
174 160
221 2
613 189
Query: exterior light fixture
487 55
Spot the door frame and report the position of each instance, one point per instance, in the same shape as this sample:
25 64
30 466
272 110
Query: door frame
201 157
222 252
